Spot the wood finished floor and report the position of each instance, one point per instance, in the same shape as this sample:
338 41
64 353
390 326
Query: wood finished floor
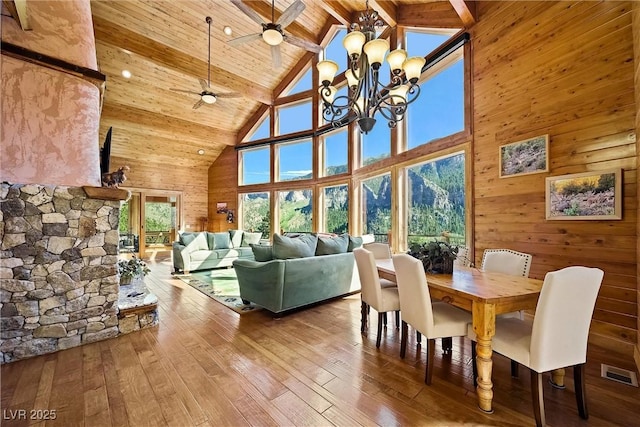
205 365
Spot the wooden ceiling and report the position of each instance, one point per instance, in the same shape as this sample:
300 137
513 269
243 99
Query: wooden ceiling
164 44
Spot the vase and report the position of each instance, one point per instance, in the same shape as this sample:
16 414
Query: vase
125 280
447 266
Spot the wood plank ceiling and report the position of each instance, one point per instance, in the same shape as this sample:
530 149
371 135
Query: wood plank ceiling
164 44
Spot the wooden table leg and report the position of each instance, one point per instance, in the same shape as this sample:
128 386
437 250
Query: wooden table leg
484 322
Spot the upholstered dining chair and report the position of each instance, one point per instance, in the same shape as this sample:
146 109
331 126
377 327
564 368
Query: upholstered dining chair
373 294
433 320
557 337
379 250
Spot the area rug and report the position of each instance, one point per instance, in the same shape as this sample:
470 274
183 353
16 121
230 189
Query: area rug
221 284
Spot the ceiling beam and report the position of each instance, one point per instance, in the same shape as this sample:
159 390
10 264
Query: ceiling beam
118 115
386 10
166 56
18 10
439 14
338 11
466 10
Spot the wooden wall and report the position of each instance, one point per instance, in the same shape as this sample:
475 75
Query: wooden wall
191 181
223 187
636 74
563 69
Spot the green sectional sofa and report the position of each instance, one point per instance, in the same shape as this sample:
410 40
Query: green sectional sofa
206 250
296 275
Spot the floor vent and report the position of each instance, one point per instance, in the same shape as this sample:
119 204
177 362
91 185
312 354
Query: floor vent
620 375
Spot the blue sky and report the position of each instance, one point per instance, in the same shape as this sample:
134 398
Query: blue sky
438 111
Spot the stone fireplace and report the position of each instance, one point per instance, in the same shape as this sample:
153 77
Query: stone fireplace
59 283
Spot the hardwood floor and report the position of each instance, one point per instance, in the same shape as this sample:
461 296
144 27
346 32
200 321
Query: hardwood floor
205 365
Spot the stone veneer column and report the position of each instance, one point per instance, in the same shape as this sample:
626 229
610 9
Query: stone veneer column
59 282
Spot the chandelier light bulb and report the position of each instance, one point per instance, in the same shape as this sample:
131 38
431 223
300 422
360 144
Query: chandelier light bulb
272 37
396 59
353 43
352 80
399 94
413 68
376 50
327 71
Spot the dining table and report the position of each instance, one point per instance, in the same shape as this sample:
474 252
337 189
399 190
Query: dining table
484 294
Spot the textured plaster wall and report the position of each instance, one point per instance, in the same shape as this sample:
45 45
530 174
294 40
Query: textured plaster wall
49 119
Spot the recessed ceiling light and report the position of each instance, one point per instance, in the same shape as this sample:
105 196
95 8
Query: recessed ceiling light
201 151
227 30
126 74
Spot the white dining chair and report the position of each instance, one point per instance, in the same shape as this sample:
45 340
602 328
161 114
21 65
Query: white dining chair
379 250
506 261
433 320
373 294
557 337
462 257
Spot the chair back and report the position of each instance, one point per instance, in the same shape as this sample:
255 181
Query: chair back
371 292
379 250
563 315
462 258
415 299
506 261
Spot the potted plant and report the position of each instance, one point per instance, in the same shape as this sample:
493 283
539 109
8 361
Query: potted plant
436 256
129 269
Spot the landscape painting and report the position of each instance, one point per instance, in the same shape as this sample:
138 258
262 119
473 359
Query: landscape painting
525 157
221 207
589 195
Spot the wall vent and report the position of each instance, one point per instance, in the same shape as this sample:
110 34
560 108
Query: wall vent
620 375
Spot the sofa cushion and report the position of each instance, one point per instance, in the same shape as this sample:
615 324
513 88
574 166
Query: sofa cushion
251 238
262 253
201 255
195 241
294 247
329 245
354 242
236 237
220 240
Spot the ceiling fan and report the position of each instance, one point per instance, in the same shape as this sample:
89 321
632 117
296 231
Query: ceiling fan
272 32
207 96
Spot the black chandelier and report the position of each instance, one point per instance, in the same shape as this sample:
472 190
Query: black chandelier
367 96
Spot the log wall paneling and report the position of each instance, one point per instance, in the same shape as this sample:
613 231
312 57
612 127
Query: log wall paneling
191 181
223 187
636 75
574 81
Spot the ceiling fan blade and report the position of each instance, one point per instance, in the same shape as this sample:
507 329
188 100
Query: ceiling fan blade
228 95
275 56
290 14
198 104
248 11
244 39
204 84
192 92
305 44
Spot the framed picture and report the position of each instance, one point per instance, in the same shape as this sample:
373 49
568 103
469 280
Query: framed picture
525 157
588 195
221 207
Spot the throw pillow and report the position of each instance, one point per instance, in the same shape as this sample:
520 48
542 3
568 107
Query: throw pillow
294 247
236 237
262 253
186 238
332 245
354 242
199 243
221 240
249 238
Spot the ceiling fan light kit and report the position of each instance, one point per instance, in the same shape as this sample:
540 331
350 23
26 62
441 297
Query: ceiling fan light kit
367 96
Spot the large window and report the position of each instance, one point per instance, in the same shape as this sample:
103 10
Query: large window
334 153
335 213
262 131
293 117
295 210
255 166
376 206
436 200
294 160
255 213
301 85
376 145
335 51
